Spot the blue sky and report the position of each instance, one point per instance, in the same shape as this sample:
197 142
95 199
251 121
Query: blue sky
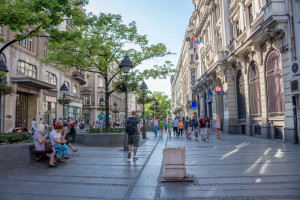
161 20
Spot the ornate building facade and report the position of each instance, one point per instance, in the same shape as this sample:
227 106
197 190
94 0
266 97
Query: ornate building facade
247 47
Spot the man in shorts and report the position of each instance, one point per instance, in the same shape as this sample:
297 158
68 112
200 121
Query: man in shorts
133 134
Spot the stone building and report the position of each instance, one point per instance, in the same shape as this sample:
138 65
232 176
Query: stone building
247 47
37 85
93 91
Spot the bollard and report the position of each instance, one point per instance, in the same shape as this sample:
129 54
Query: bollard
174 160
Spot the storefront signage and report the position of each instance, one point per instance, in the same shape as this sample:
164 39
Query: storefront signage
218 89
194 105
75 104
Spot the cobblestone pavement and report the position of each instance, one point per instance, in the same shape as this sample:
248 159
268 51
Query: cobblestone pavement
234 167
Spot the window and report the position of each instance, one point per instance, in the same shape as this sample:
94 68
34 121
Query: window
74 90
254 91
46 50
238 31
26 69
30 44
87 81
193 76
275 86
250 10
101 82
240 88
86 100
27 43
50 78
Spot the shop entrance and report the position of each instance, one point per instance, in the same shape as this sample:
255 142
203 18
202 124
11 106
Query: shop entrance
21 109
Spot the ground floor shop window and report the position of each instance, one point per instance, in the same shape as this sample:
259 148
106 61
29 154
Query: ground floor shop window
75 113
49 112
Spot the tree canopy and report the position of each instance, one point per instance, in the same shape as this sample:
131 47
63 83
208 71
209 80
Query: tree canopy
105 41
164 107
29 18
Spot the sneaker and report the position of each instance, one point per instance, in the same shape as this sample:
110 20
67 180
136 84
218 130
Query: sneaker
129 155
135 158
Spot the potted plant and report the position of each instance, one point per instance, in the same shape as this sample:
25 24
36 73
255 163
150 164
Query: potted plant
5 89
64 101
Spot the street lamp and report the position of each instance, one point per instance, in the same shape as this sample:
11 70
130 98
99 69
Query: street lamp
3 67
102 103
126 66
115 105
144 88
64 90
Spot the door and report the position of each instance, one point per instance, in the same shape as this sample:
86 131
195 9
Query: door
22 109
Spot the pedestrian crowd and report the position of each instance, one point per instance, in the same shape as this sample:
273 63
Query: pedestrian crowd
100 123
187 127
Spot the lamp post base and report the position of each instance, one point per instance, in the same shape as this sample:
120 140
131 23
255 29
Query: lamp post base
144 135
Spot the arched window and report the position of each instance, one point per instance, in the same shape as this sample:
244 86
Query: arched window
275 86
50 78
254 91
240 90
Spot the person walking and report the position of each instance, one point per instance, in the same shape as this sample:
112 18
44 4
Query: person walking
175 126
169 127
186 125
180 128
194 123
161 127
217 125
81 126
100 124
155 125
202 123
133 134
207 127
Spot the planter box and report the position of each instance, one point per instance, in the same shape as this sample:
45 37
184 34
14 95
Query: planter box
13 155
101 139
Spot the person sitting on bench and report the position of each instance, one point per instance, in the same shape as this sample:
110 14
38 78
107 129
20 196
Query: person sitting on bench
39 143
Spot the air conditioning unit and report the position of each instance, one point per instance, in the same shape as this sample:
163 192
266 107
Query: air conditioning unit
295 68
295 85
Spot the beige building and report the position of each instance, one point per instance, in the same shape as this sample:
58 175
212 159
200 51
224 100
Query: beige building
93 91
247 47
37 85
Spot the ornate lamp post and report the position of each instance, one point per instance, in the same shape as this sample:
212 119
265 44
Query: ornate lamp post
64 89
3 68
144 88
115 105
102 103
126 66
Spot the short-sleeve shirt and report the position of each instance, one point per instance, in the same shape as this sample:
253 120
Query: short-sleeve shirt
38 146
54 134
175 123
136 122
180 125
155 122
187 122
33 123
170 125
161 123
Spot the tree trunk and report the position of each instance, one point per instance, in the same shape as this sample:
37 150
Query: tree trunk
107 125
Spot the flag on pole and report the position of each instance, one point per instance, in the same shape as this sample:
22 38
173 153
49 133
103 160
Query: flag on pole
196 47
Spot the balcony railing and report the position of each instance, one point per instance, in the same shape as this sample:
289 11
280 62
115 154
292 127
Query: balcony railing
79 76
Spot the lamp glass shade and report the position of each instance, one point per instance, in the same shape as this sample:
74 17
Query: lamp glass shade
144 86
156 103
64 89
3 67
153 99
126 64
101 100
115 104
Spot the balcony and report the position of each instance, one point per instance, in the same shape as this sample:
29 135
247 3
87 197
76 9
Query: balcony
79 76
274 8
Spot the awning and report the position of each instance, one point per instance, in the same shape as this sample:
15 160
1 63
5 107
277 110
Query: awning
32 82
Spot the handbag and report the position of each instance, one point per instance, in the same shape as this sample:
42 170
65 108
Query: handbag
48 147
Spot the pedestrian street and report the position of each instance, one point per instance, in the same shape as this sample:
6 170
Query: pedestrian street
234 167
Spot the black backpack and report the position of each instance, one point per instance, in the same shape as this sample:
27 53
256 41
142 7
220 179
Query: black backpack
130 126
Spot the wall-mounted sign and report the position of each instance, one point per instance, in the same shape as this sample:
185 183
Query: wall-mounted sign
221 93
194 105
218 89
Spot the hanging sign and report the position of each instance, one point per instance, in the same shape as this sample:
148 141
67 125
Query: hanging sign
194 105
221 93
218 89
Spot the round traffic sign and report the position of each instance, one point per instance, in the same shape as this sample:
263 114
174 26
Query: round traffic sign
218 89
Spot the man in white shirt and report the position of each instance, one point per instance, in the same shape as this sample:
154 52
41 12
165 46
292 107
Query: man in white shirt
33 125
175 126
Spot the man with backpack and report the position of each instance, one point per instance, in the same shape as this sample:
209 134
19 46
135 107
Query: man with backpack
133 134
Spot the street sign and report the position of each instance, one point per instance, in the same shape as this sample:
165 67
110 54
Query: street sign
218 89
221 93
194 105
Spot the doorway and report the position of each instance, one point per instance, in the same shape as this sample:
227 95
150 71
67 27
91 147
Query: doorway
21 109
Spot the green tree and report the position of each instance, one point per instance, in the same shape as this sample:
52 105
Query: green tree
164 107
39 17
106 40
